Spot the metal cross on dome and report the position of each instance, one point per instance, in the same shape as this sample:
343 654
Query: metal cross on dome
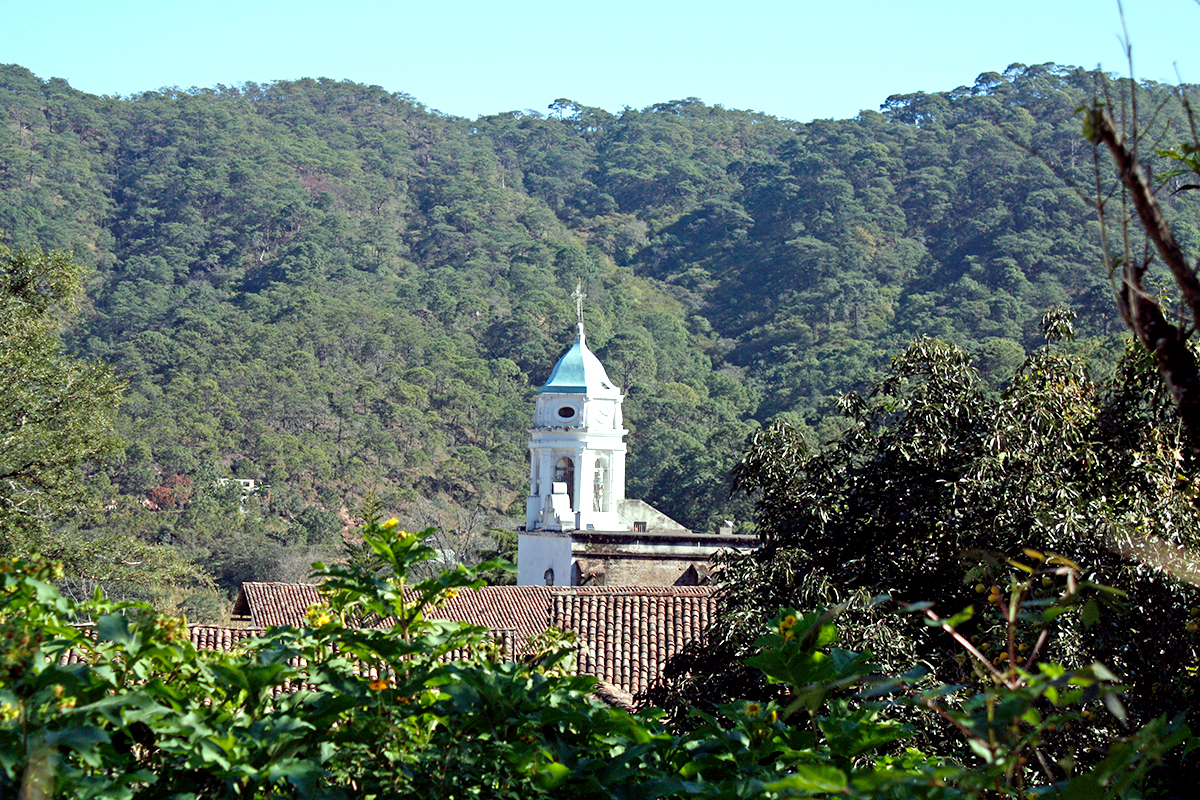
579 296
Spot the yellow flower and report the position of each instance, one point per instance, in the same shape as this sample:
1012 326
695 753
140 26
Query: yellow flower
753 709
452 592
379 684
318 615
391 523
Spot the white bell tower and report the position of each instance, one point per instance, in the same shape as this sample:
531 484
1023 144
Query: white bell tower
577 446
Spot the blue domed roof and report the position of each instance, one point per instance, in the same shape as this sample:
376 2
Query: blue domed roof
580 372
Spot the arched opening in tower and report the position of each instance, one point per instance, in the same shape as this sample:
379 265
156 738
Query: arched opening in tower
564 472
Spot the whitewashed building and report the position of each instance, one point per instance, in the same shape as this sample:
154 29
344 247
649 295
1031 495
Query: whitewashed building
579 526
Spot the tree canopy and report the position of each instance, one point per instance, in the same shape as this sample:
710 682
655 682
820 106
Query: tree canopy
57 412
58 415
941 493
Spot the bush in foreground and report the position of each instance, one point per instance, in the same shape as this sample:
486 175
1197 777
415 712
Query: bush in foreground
128 708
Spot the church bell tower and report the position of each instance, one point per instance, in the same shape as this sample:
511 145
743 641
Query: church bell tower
577 445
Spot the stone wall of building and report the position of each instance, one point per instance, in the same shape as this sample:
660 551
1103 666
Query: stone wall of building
626 570
609 558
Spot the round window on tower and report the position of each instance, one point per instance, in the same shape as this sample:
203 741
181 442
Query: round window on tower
566 413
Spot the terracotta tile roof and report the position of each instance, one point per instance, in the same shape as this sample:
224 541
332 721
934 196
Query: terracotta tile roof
73 656
215 637
275 603
626 633
523 609
641 591
202 637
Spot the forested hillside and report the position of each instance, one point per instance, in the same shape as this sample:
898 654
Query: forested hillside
336 291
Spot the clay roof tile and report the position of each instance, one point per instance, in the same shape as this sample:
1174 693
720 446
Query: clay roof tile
626 634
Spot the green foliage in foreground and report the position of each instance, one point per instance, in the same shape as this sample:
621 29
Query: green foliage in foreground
333 710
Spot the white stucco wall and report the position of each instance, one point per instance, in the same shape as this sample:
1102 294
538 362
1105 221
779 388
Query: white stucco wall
538 551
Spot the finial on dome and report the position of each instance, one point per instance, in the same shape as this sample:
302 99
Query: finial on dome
579 296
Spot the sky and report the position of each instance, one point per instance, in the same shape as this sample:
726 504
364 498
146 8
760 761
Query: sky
796 59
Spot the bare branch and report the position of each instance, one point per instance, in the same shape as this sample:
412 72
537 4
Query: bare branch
1175 362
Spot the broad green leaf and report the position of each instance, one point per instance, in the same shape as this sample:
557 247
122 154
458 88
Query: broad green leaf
113 628
811 778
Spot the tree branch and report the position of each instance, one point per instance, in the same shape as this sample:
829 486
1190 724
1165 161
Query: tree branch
1175 362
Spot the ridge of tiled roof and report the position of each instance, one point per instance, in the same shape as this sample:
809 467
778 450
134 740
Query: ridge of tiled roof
636 591
524 609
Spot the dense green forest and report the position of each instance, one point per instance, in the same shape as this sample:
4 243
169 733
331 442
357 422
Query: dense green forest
329 289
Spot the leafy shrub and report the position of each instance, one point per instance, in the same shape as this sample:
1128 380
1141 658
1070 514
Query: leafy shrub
373 700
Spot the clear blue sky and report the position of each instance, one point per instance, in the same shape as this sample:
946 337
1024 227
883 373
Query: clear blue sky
799 59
